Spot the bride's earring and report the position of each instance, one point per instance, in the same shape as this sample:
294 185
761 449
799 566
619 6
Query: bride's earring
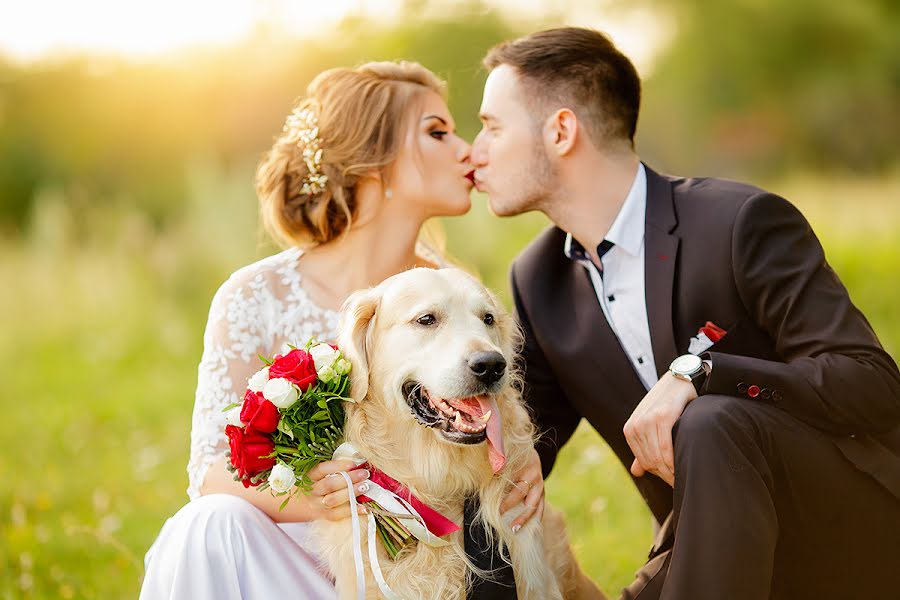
388 194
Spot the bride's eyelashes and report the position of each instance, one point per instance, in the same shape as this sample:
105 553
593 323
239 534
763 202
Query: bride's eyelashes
438 135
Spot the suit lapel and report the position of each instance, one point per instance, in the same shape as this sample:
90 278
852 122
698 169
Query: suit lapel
660 260
597 340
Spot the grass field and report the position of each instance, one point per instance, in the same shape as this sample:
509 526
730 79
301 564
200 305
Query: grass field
101 335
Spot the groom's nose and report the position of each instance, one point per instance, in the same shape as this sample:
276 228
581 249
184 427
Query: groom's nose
478 155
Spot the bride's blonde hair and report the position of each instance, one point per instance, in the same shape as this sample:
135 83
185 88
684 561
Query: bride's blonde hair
363 117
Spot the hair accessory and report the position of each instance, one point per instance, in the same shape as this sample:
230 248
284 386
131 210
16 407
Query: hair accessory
302 128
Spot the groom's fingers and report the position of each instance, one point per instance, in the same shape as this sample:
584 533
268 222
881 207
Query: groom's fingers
636 469
664 431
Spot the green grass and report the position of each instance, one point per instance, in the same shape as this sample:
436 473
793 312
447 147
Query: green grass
100 342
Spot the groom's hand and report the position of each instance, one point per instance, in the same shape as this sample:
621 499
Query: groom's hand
649 430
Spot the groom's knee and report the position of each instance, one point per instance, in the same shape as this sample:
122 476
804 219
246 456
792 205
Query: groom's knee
708 423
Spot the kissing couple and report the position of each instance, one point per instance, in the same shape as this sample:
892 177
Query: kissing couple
693 322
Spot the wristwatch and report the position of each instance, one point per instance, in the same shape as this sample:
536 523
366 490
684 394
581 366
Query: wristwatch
689 367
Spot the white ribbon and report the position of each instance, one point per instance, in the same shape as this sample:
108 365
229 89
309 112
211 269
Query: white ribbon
390 501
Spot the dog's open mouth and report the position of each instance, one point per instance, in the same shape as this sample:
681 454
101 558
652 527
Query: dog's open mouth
460 420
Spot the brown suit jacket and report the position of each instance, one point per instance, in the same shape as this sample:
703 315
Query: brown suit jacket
744 259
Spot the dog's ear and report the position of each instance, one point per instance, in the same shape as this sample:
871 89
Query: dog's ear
357 315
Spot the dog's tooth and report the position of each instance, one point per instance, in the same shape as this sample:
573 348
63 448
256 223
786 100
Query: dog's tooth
458 421
486 416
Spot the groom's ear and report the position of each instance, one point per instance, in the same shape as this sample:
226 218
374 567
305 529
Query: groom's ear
561 130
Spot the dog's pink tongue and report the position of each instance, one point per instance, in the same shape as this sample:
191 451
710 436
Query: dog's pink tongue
494 432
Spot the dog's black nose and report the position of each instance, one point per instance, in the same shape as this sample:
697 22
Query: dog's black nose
488 367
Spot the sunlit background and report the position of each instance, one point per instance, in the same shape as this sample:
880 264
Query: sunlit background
129 132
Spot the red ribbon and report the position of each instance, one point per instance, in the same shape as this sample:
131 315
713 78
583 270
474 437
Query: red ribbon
435 522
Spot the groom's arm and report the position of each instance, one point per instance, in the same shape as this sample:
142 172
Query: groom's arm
554 417
835 375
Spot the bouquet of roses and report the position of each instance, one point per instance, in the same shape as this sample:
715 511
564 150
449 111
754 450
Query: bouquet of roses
290 420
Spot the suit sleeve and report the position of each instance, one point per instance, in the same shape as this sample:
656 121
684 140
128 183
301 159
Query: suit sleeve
835 375
554 417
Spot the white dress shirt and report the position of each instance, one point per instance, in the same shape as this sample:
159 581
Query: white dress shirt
620 285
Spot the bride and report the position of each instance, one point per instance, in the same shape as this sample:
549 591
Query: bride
363 161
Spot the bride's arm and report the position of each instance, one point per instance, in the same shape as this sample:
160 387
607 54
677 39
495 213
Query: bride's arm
236 332
328 499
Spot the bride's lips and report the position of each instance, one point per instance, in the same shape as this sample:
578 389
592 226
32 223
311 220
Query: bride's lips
471 176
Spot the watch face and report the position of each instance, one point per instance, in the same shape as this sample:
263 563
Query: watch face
686 364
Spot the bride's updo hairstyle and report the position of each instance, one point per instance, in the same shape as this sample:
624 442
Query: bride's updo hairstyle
352 122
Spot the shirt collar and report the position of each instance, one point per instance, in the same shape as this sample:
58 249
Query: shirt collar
627 230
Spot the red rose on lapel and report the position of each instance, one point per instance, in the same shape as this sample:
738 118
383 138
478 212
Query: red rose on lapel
297 366
713 332
248 451
259 414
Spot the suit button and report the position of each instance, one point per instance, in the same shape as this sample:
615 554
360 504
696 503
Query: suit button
776 396
765 394
753 391
742 388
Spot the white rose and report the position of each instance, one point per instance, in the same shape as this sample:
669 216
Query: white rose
280 392
326 374
342 366
282 478
323 355
233 416
258 381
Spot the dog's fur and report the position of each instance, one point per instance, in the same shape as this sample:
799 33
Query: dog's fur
388 346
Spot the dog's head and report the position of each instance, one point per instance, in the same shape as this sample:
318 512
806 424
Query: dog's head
431 349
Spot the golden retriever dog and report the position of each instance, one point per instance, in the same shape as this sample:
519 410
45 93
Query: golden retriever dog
436 408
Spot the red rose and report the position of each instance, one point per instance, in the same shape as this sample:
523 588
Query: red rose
297 366
258 413
248 452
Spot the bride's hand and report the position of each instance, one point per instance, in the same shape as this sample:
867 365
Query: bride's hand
528 489
329 498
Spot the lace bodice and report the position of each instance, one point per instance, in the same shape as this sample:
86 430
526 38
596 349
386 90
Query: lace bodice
260 309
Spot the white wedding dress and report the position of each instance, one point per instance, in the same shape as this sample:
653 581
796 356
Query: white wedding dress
221 547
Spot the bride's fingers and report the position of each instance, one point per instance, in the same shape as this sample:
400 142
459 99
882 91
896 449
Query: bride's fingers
334 482
533 501
343 512
340 497
516 494
328 467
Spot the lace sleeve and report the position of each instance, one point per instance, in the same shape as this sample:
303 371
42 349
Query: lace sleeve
236 333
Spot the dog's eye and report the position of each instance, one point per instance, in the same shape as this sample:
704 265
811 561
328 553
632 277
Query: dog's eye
489 319
426 320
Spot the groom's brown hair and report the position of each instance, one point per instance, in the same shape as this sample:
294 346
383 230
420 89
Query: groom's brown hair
580 69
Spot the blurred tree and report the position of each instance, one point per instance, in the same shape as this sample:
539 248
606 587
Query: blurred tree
760 86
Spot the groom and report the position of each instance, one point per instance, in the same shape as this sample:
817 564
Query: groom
696 325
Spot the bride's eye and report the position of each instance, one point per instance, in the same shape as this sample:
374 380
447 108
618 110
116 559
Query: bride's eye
438 135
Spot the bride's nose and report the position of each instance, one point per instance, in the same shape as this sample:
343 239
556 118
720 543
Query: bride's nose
464 152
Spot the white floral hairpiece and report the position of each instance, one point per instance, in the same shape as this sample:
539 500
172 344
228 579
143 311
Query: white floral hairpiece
302 128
